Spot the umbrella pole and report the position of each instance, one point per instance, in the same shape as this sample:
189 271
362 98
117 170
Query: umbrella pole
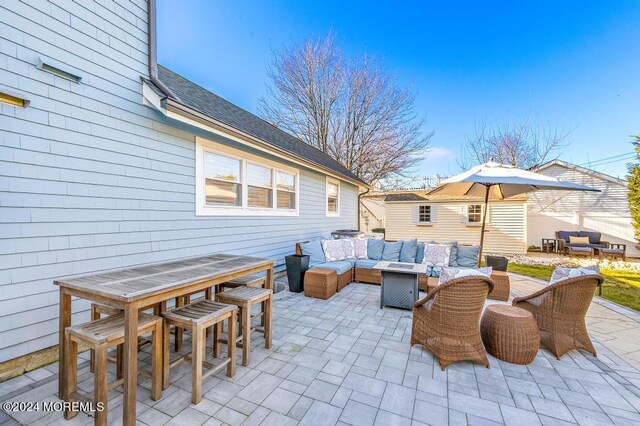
484 222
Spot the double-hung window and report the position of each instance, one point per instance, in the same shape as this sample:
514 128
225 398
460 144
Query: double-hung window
223 184
233 182
333 197
474 214
260 186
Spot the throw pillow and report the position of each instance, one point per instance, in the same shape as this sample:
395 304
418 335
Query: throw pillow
468 256
578 240
391 251
453 259
360 246
349 248
313 249
448 274
333 250
374 249
408 251
561 273
436 254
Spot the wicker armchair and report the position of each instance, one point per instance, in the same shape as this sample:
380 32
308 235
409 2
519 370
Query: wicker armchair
559 310
447 321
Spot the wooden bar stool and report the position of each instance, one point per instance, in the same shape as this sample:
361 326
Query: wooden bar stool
101 335
181 301
245 298
253 280
98 310
198 317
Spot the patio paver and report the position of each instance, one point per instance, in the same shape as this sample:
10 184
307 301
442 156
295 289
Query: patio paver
346 361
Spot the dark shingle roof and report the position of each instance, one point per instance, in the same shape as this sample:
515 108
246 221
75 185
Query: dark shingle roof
202 100
407 196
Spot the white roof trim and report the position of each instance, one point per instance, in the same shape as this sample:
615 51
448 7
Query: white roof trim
584 170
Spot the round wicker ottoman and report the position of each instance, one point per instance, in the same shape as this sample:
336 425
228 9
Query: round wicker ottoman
510 333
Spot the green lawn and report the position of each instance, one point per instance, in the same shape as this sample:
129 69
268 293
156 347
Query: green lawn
619 286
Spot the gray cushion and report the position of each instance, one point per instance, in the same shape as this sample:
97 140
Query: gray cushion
340 266
313 249
564 235
374 249
468 256
366 263
408 251
594 237
391 251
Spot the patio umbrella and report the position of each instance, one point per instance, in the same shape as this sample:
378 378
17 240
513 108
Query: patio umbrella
499 181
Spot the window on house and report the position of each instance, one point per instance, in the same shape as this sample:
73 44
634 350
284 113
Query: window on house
285 190
474 213
223 185
233 182
333 197
424 214
260 186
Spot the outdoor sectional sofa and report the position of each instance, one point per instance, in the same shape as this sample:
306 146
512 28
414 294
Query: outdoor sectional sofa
594 246
361 270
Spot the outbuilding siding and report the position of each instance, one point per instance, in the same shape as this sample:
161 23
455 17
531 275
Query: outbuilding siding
90 179
506 225
606 211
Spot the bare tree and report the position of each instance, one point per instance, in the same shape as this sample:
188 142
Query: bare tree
352 110
522 144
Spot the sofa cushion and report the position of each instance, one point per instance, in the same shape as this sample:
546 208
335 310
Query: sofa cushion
564 235
594 237
340 266
313 249
391 251
360 246
374 249
333 250
561 273
408 251
419 252
366 263
448 274
436 254
468 256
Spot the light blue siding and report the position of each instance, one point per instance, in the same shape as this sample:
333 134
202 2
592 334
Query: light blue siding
90 179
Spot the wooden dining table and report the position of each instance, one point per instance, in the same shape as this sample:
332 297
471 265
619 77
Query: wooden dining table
133 288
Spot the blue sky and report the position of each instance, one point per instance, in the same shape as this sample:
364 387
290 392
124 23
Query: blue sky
574 64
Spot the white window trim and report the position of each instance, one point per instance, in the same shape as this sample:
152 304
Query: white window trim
329 180
431 212
466 214
202 209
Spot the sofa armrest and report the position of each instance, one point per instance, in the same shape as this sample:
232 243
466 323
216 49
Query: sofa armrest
606 243
617 246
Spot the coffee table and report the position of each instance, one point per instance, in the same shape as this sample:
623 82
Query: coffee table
399 283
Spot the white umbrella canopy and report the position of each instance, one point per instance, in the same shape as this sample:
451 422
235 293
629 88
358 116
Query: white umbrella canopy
495 181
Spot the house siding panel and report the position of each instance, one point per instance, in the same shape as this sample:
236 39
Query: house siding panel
90 179
506 225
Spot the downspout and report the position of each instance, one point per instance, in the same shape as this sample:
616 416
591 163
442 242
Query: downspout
153 57
359 196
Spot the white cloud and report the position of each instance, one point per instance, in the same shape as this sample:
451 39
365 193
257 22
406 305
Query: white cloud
437 152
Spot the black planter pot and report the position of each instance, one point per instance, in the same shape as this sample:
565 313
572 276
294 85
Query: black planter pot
498 263
297 265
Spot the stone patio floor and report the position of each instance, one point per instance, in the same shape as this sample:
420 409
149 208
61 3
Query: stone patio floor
344 361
